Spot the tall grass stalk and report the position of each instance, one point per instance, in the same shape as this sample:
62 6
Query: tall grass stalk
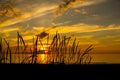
61 50
8 51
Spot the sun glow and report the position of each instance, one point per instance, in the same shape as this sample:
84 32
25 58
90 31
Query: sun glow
42 57
43 47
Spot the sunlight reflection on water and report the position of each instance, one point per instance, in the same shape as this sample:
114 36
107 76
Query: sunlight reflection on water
47 58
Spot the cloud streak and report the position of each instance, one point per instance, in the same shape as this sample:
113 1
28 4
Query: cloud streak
80 28
9 30
89 3
28 16
37 11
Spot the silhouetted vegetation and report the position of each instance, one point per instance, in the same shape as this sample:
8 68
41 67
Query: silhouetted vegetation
61 50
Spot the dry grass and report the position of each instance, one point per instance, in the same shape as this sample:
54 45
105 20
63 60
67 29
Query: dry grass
62 50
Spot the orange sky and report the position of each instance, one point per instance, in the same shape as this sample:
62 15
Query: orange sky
94 22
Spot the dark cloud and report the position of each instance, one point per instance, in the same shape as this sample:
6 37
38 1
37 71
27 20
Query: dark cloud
107 13
65 6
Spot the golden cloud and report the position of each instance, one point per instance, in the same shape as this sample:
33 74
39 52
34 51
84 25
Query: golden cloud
28 15
78 28
82 11
9 30
88 3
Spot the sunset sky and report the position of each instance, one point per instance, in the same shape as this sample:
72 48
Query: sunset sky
94 22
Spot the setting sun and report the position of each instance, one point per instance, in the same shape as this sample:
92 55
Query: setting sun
47 26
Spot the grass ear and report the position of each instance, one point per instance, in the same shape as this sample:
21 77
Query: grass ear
62 50
0 45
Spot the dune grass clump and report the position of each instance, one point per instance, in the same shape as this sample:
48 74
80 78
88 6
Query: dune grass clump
61 50
5 53
65 51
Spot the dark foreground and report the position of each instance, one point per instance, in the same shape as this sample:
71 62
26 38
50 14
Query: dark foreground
76 71
59 67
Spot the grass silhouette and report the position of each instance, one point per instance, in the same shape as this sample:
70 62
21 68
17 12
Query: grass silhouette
61 50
